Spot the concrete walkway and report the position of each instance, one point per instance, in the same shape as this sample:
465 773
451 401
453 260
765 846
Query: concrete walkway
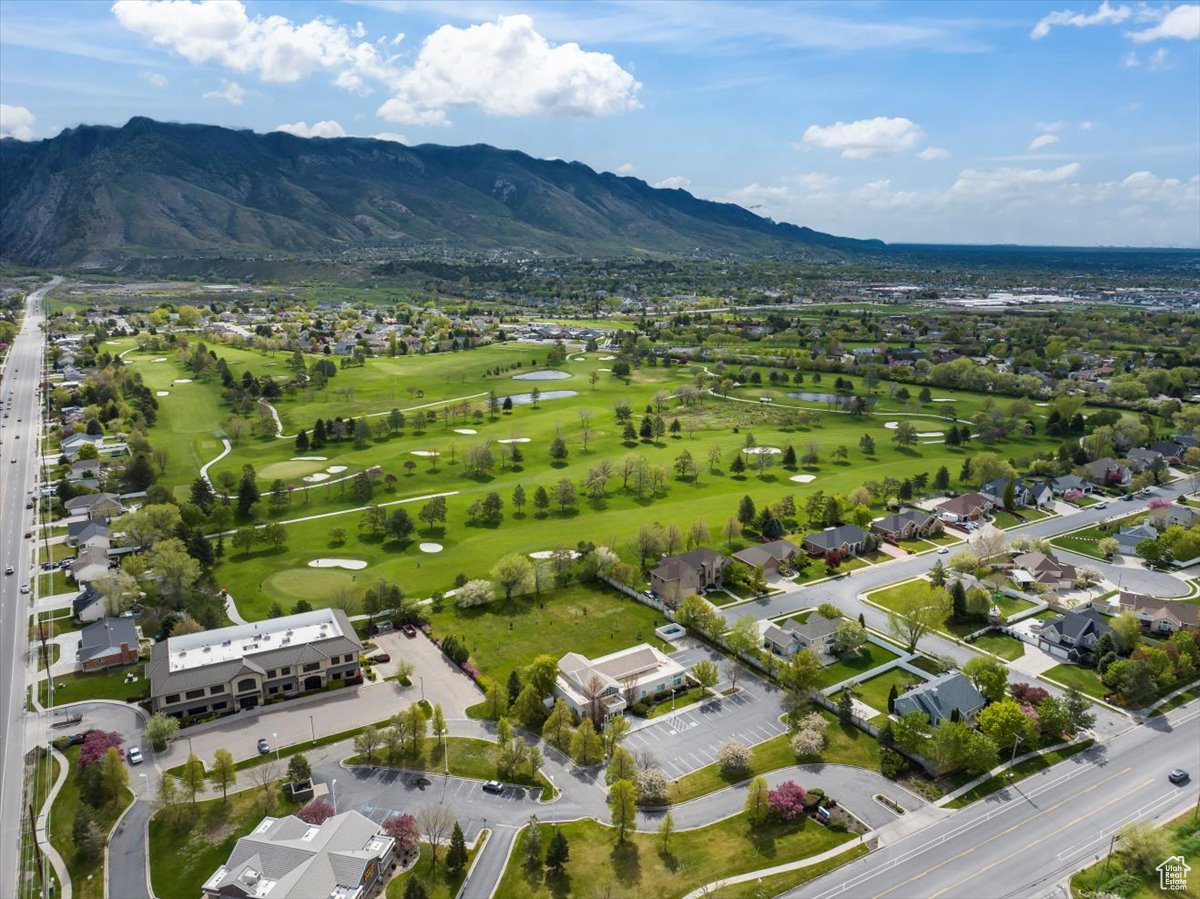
43 834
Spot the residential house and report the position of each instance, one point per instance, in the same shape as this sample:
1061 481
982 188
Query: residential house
95 505
1172 451
85 472
1107 472
691 572
1141 459
1158 616
941 697
847 539
345 857
1164 517
107 643
89 565
968 507
1131 535
1045 570
89 605
616 681
1026 492
907 524
1073 635
79 532
240 667
1069 483
815 633
770 556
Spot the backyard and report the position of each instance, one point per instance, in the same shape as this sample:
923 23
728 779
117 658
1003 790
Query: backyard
874 691
111 684
869 656
87 875
1001 645
1085 680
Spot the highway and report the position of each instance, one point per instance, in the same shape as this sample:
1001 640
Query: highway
1022 841
19 435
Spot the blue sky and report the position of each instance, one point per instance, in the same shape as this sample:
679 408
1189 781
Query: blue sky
1018 122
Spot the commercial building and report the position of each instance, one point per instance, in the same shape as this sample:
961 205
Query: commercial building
617 680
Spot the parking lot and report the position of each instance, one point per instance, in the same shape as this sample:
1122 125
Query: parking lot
690 738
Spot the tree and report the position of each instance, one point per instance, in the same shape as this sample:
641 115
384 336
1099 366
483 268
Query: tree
706 675
620 766
989 675
298 768
223 772
665 829
533 844
558 851
616 729
1144 846
403 829
114 774
733 757
513 574
958 601
557 729
937 574
1133 679
786 801
746 512
456 855
809 739
85 834
474 593
1127 631
743 638
192 778
849 637
435 822
622 800
1003 722
400 524
586 745
160 729
915 613
652 785
565 494
800 676
906 434
367 742
757 802
317 811
866 443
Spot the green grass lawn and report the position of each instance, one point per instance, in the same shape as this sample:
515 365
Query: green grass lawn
1018 772
868 656
1085 680
81 685
926 664
1182 699
439 882
87 876
185 849
579 618
1000 644
777 884
1118 876
1046 615
889 596
55 582
874 691
1012 605
52 650
641 866
844 745
468 758
61 620
682 699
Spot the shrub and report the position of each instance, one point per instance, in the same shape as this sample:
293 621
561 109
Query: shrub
734 757
786 801
892 764
652 785
316 812
96 743
1027 694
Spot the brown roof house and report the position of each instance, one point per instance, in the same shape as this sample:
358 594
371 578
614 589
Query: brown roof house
768 555
690 572
1045 570
906 524
968 507
1159 616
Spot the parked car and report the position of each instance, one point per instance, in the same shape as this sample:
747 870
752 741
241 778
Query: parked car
263 746
942 551
409 630
25 588
1178 776
493 786
135 755
28 534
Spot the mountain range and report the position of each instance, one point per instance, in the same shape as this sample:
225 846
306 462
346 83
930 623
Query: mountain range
94 195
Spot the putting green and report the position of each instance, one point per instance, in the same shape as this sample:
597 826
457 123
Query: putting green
307 583
289 470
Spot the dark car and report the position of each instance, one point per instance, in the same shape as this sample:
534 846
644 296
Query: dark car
409 630
493 786
1178 776
379 658
263 746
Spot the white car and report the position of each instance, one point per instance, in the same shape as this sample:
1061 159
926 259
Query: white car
135 755
942 551
24 588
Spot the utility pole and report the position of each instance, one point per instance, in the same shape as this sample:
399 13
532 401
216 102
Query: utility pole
1111 843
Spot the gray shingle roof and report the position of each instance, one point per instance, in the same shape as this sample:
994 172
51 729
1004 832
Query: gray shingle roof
832 538
104 637
938 698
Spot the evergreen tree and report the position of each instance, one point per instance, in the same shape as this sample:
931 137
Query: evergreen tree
891 700
415 889
941 480
319 437
302 441
558 852
958 601
514 686
789 457
456 856
746 511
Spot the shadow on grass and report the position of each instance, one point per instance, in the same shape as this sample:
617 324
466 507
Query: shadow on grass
626 862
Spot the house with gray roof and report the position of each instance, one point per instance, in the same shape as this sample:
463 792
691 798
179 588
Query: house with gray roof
816 633
1158 616
95 505
1073 635
107 643
1130 536
228 669
847 538
1165 516
1107 472
940 697
1070 483
906 524
89 605
345 857
769 556
80 532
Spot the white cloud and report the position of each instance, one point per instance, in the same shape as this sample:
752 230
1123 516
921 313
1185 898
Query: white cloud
880 136
1043 140
1182 23
16 121
507 68
1105 15
392 136
232 92
1086 125
675 182
1131 60
760 197
274 47
625 168
1051 126
154 78
1007 181
1158 60
328 128
930 153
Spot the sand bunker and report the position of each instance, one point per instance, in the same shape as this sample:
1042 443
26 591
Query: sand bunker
310 458
943 399
336 469
425 453
514 440
545 374
314 478
465 431
525 399
762 450
607 358
430 547
1043 405
159 359
162 393
549 553
803 478
604 369
892 425
183 380
352 564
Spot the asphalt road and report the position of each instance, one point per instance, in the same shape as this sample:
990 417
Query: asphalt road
1022 841
18 441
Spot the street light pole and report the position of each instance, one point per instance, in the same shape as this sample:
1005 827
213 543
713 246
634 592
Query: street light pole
275 737
313 728
422 680
333 791
1013 760
1111 843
